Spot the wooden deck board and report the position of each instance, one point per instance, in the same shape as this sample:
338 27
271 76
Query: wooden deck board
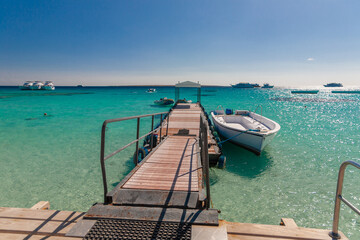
249 231
21 223
28 213
22 236
173 166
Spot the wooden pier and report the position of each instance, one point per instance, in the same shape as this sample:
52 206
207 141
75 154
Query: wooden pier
41 224
165 196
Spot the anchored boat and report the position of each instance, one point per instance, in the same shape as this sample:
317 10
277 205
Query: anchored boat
151 90
48 86
243 85
27 85
245 128
37 85
267 85
164 101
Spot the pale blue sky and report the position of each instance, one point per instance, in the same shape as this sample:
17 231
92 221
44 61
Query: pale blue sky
284 42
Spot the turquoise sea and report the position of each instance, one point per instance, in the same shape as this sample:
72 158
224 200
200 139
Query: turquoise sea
56 157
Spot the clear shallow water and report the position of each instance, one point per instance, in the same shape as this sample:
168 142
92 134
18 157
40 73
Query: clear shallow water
56 158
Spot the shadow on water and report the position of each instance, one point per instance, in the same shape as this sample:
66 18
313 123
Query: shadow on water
245 163
126 169
39 118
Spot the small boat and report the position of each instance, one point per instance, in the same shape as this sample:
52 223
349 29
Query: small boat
26 85
347 92
243 85
151 90
245 128
255 85
333 85
48 86
164 101
266 85
305 91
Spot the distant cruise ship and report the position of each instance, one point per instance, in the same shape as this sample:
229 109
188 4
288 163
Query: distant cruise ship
333 85
243 85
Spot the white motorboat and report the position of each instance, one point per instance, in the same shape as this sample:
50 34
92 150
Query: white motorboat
151 90
245 128
37 85
26 85
49 85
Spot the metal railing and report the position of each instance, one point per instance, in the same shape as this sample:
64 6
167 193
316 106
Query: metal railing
203 142
338 198
103 158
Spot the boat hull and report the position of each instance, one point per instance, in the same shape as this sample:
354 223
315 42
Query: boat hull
249 140
49 88
245 136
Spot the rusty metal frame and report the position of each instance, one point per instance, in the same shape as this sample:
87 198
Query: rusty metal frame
203 138
103 158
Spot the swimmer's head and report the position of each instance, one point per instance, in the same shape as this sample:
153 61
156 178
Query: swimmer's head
45 114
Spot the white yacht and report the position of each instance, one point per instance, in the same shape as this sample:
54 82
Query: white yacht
243 85
27 85
37 85
48 86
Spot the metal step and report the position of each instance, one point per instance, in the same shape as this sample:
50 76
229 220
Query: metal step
193 216
132 229
179 199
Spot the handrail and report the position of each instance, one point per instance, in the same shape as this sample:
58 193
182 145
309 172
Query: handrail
338 198
103 133
203 137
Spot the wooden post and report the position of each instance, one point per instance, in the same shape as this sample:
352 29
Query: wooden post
42 205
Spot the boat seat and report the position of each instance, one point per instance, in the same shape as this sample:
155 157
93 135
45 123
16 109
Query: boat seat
236 126
240 120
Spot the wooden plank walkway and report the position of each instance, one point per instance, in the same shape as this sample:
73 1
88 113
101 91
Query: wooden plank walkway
187 116
172 166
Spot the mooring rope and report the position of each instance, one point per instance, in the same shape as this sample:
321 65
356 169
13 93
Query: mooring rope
250 130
